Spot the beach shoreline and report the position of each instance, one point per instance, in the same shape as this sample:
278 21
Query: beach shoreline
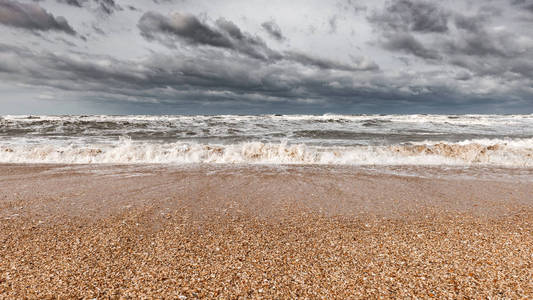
261 231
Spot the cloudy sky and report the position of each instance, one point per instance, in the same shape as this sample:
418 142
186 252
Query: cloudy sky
278 56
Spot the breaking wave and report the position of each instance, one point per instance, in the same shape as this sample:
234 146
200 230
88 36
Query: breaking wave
459 140
509 153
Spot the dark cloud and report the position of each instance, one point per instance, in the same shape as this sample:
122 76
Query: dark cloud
204 77
477 45
227 35
474 39
31 16
246 43
207 71
188 28
273 30
400 21
108 7
77 3
449 38
155 26
326 64
408 15
455 56
406 43
473 24
208 80
524 4
208 83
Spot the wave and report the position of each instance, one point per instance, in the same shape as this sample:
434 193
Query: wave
373 118
326 130
509 153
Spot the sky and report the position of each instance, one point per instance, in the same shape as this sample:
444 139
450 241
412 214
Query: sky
261 57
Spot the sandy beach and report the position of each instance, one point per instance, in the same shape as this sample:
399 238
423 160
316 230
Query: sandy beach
205 231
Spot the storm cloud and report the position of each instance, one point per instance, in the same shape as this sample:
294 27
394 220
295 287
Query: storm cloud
475 41
188 28
409 15
240 57
226 35
31 16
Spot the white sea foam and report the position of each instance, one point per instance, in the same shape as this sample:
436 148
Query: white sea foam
509 153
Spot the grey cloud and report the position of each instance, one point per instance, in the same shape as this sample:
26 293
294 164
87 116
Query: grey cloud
474 24
187 27
478 45
107 7
505 69
203 77
167 30
408 15
401 20
199 73
31 16
487 58
475 40
304 59
454 61
239 84
226 35
406 43
473 44
273 30
523 67
524 4
463 76
246 43
77 3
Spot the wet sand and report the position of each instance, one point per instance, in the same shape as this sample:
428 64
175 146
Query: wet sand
204 231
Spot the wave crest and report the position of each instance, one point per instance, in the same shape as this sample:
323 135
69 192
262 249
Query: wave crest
498 153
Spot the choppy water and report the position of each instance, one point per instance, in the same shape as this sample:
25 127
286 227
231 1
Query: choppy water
464 140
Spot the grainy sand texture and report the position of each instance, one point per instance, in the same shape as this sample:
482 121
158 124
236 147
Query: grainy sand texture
202 231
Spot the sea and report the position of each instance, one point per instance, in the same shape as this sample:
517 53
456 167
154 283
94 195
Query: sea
329 139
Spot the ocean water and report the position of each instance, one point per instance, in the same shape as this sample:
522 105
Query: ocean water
451 140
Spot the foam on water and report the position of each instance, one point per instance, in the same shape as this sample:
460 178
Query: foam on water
490 140
509 154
